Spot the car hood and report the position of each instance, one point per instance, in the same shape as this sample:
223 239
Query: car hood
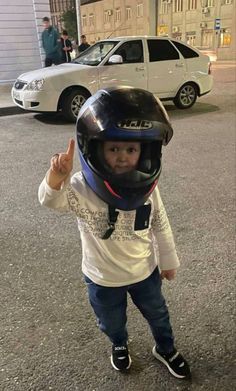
45 73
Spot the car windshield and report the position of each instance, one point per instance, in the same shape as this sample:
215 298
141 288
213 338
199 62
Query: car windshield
96 53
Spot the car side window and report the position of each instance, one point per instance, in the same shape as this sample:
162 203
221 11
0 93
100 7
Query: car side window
131 52
185 50
161 50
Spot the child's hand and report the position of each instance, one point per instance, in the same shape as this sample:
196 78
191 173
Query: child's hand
62 163
168 274
61 166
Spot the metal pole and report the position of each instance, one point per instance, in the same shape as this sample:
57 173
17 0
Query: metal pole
217 30
171 18
77 6
157 17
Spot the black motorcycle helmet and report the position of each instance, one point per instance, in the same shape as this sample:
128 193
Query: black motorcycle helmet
122 114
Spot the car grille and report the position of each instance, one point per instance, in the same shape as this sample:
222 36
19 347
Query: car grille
19 84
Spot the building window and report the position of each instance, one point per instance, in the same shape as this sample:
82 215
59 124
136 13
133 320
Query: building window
179 37
91 20
60 5
128 13
164 7
210 3
178 6
207 39
84 20
192 4
140 10
117 15
58 24
228 1
191 39
225 37
53 20
107 16
70 4
162 29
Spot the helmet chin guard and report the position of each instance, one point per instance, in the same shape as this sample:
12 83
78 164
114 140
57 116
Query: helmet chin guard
122 114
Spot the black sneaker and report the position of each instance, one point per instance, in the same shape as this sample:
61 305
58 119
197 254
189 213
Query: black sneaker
175 363
120 358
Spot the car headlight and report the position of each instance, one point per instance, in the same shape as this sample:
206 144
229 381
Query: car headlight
35 85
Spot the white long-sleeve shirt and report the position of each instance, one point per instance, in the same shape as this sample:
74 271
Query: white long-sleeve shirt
129 255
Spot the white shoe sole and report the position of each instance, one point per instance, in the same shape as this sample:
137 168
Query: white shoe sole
125 369
160 358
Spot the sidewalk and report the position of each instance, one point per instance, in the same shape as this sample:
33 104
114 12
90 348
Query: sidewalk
5 96
7 106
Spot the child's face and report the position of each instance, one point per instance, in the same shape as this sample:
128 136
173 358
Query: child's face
122 156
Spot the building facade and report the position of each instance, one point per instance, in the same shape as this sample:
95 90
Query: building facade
206 24
109 18
57 8
20 30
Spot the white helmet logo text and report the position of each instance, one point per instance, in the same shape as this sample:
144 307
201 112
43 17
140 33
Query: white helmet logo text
135 124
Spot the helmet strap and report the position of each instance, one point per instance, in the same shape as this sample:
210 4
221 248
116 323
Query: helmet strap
112 218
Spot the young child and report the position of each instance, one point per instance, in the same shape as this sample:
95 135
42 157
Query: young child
120 214
66 47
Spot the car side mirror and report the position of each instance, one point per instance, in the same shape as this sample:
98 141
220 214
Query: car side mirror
115 59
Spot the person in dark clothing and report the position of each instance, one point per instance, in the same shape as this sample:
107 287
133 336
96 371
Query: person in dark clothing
84 44
66 47
51 43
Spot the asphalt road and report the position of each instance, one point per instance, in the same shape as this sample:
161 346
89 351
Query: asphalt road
49 338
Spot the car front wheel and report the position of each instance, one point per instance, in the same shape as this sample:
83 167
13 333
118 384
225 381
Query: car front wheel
186 96
73 102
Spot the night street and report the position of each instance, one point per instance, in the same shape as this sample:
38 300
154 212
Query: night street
49 337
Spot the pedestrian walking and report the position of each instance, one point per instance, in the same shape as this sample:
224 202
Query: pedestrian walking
51 43
66 47
84 44
121 217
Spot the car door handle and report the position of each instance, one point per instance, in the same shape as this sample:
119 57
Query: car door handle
179 65
138 69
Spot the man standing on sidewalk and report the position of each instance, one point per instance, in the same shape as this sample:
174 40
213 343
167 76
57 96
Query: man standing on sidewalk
84 44
51 43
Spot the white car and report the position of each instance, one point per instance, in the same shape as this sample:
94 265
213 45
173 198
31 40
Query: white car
164 66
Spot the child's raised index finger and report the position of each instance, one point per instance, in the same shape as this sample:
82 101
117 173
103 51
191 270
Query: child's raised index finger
71 148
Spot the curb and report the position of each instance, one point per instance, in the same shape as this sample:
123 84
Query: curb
7 106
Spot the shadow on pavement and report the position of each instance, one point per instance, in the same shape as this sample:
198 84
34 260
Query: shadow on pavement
173 111
51 118
11 110
58 119
197 109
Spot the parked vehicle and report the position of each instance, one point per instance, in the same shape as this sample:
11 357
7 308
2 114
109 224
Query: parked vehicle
166 67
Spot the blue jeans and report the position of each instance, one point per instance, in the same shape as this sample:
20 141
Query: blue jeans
110 303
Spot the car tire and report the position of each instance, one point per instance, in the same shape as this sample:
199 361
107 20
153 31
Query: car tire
186 96
73 102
